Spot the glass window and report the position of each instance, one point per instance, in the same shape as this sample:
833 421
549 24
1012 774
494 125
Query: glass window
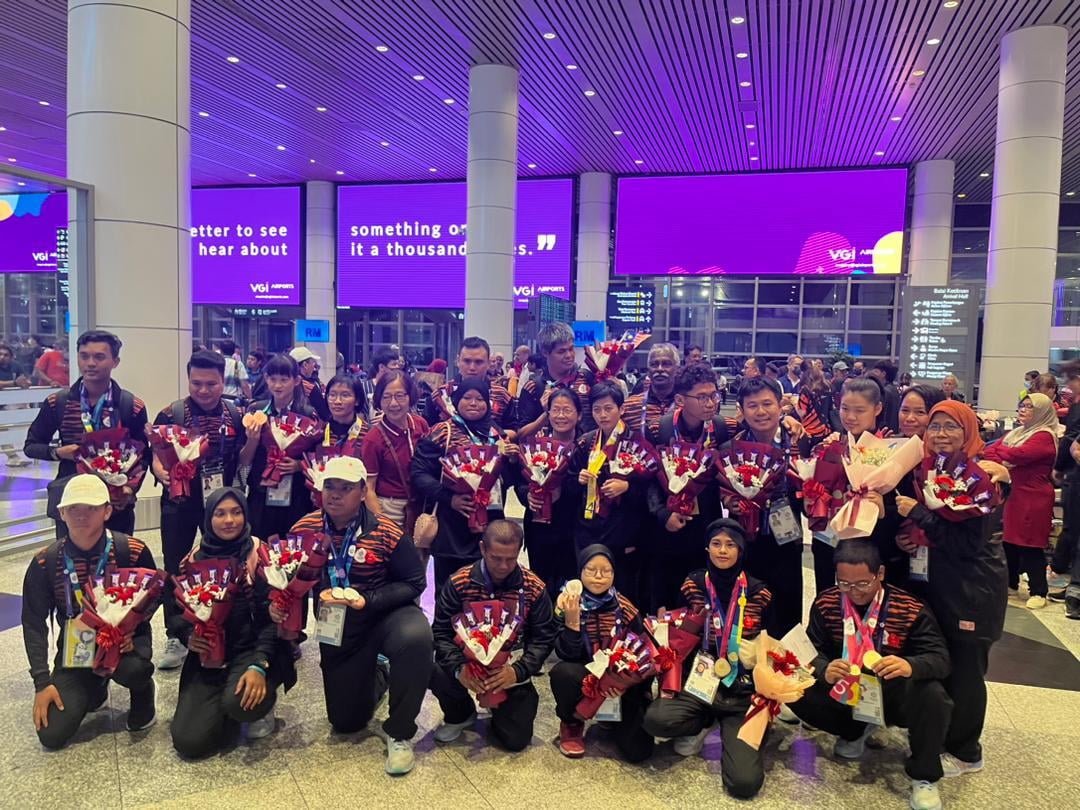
825 294
1070 214
419 335
741 317
875 320
823 318
383 335
971 216
778 317
1068 267
1067 302
970 241
732 342
822 344
968 268
772 293
1069 241
873 294
383 315
687 316
734 292
776 343
870 345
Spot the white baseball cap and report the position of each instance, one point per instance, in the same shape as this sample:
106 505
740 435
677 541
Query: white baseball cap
302 353
345 468
84 490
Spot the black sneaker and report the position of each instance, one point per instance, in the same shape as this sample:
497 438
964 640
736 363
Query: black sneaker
1072 608
143 712
1057 596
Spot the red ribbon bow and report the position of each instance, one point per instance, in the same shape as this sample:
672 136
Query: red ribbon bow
590 686
109 637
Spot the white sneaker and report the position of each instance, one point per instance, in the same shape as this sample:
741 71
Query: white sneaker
853 749
174 655
691 746
957 767
399 757
262 728
1014 595
924 795
1036 603
448 732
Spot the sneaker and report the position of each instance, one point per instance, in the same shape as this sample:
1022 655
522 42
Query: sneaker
787 715
1058 595
174 655
1014 595
924 795
1036 603
448 732
1057 581
1072 608
399 757
691 746
262 728
572 739
853 749
957 767
143 711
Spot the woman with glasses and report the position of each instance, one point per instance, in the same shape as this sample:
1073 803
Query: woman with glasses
347 403
966 588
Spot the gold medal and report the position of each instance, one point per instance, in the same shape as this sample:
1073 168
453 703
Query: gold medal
871 659
855 671
722 668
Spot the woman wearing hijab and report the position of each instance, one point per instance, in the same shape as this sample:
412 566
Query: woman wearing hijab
965 588
213 703
1029 452
688 716
590 622
455 546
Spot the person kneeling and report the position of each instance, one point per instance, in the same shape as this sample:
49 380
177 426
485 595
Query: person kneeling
53 587
367 609
214 702
505 687
881 661
592 620
717 687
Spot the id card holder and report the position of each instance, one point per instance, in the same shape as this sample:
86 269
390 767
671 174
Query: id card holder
783 524
80 645
496 501
919 564
610 711
211 481
828 537
330 627
702 681
871 705
281 493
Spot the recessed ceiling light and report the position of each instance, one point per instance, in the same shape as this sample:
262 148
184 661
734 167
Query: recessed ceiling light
1067 193
281 148
750 126
250 175
742 55
311 160
571 67
984 174
339 172
281 85
203 114
43 103
419 77
3 129
447 101
918 73
744 84
879 153
531 166
21 183
590 93
617 132
933 41
549 35
320 109
381 48
638 162
961 196
895 118
11 160
753 143
951 3
432 169
232 59
384 143
738 20
753 157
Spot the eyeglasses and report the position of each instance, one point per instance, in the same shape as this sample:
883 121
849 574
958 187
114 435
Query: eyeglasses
340 397
398 397
598 572
705 399
863 586
562 412
946 427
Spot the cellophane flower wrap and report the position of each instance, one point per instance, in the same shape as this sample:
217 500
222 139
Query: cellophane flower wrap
674 635
205 594
631 460
178 449
287 436
625 663
823 482
748 474
544 462
292 566
685 469
114 457
474 470
607 357
778 679
955 487
115 605
872 464
313 465
486 633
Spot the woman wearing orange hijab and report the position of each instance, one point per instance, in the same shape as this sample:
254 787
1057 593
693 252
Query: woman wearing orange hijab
966 588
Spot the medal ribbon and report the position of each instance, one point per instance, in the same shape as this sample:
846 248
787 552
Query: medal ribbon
92 418
859 634
708 428
491 438
597 458
729 642
339 573
72 586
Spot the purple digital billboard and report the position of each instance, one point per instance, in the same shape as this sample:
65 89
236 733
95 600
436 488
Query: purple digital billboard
33 231
404 245
246 246
801 223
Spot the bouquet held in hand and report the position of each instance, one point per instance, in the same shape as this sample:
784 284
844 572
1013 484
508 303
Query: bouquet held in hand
544 462
749 473
607 357
486 633
287 436
674 636
474 470
872 465
292 566
626 663
779 678
178 449
114 457
205 593
955 487
685 469
823 483
114 606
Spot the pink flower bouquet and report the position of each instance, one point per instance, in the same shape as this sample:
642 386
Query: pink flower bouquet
872 465
778 679
823 482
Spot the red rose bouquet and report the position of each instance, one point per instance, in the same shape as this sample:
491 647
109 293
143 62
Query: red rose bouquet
179 450
607 357
114 606
474 470
749 473
114 457
291 567
778 679
286 436
626 663
486 632
955 487
205 592
823 482
674 635
685 469
544 462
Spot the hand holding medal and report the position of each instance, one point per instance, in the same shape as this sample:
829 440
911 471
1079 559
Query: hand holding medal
350 597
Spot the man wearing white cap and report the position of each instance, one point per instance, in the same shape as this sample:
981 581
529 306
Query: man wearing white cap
309 377
53 587
367 609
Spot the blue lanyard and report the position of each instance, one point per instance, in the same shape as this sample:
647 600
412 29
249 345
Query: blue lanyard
92 419
343 556
491 438
489 584
72 584
620 622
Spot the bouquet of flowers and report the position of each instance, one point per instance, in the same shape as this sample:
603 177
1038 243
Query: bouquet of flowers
291 567
544 462
685 469
824 481
674 635
313 466
474 470
205 592
486 632
749 472
114 457
778 679
955 487
872 465
626 663
608 356
630 459
286 436
179 450
114 606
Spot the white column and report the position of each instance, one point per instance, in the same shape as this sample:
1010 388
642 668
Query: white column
593 246
319 291
128 105
492 184
1024 219
931 224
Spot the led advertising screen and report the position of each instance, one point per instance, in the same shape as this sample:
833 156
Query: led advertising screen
33 231
800 223
246 246
404 245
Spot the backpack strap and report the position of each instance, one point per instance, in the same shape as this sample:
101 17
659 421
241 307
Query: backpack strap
121 549
235 415
177 409
126 407
59 404
667 429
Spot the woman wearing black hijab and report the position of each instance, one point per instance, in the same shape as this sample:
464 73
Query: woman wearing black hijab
471 424
717 589
214 702
590 621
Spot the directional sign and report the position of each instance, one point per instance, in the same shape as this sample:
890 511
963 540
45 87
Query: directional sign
941 329
631 308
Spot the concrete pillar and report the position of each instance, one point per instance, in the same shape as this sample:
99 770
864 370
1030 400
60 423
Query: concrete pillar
593 247
128 108
931 224
320 306
492 191
1024 219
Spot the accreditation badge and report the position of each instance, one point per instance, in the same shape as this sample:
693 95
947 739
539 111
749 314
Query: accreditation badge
211 482
871 705
80 645
610 711
783 525
330 627
281 493
919 564
703 682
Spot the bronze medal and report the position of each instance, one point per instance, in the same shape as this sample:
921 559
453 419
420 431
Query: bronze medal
722 668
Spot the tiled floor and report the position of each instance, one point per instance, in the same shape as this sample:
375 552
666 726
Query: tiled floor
1030 741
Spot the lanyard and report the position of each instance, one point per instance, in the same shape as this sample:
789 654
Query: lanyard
92 419
342 556
72 584
616 631
599 455
350 435
731 640
708 428
491 438
859 634
489 584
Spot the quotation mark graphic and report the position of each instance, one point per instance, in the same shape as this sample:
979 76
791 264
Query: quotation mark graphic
545 241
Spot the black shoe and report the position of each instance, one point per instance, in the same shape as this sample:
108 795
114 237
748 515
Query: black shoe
1072 608
143 712
1057 596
